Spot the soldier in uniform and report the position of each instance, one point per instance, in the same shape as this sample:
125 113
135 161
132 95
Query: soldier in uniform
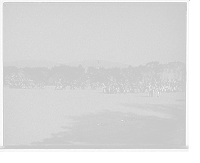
22 80
59 80
110 80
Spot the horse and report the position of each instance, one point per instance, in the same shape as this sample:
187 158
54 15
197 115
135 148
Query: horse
113 87
151 89
30 83
124 87
176 87
158 88
23 84
120 87
154 87
40 84
74 84
15 83
105 85
58 84
132 87
164 87
142 87
6 82
11 83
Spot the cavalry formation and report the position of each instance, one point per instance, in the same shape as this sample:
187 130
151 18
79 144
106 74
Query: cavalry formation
75 84
109 86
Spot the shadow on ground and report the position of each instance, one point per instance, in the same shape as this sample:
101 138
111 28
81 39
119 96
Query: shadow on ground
112 129
174 111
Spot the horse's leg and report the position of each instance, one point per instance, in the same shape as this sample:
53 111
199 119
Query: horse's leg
150 92
125 89
157 89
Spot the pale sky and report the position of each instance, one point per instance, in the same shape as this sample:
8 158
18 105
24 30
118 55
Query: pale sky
132 33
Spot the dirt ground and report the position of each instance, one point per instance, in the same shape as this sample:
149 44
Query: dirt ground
91 119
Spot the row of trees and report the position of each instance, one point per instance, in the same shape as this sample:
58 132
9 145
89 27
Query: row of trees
154 74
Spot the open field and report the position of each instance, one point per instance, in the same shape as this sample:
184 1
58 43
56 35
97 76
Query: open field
89 119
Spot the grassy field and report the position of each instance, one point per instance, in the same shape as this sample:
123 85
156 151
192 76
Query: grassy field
91 119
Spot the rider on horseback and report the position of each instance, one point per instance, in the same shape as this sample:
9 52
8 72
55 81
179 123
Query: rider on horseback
167 82
175 81
126 81
110 79
59 80
22 80
112 83
16 82
155 82
87 80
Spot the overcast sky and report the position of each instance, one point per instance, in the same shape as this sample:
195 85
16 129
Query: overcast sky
132 33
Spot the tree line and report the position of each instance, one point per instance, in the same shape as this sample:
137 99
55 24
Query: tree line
144 73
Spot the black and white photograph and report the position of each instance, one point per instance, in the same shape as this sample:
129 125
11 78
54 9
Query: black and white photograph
94 75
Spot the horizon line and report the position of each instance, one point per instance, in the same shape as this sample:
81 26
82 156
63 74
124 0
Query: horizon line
79 63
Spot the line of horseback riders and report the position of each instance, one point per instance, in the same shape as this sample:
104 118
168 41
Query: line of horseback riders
23 83
76 83
173 86
112 86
